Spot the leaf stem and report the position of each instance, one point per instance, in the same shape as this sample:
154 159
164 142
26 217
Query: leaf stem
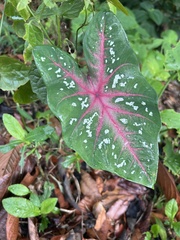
59 41
165 86
2 19
41 25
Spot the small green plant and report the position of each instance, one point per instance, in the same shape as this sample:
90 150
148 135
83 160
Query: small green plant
31 139
159 229
28 204
108 115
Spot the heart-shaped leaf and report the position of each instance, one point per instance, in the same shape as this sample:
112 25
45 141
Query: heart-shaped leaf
110 117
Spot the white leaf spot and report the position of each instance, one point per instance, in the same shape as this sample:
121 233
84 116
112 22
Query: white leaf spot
72 120
135 86
106 131
130 77
123 163
104 142
119 100
130 103
58 71
150 114
115 80
74 104
122 84
112 52
84 103
140 131
43 59
124 120
135 108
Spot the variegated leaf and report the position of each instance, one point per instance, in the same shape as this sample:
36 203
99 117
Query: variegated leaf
110 117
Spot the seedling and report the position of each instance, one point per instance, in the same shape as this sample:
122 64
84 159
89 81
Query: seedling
35 205
31 139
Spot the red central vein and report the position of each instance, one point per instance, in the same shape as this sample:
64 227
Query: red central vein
100 58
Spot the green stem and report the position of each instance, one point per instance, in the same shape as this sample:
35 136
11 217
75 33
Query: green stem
165 86
59 42
2 19
42 27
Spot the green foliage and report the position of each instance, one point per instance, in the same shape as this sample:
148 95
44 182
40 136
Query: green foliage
72 159
13 73
171 119
118 5
13 127
158 57
18 189
155 16
35 205
31 139
171 208
20 207
24 94
159 229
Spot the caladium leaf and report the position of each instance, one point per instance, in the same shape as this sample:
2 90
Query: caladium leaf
110 117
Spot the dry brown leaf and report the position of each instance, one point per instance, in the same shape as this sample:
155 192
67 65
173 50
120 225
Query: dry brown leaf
3 219
100 184
119 208
56 124
89 187
9 161
167 184
100 214
8 164
59 237
29 179
86 204
12 227
32 228
4 183
109 197
131 187
62 202
137 235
